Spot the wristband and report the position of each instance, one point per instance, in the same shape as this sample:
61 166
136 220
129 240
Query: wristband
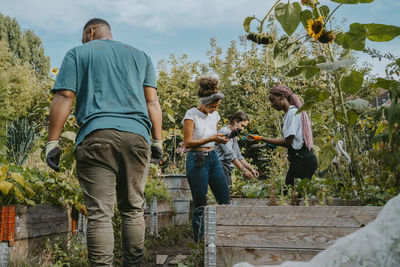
157 143
51 145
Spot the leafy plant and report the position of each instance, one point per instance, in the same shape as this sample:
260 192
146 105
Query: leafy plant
20 140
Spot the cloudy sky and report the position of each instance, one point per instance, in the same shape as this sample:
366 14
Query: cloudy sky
164 27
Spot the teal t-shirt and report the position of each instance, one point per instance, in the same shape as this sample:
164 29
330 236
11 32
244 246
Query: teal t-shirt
108 78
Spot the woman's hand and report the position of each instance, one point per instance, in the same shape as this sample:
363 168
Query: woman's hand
220 138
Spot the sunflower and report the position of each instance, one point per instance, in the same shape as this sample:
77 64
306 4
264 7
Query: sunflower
315 27
311 3
326 37
55 70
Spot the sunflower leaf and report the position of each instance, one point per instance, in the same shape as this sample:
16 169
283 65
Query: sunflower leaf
352 1
332 66
305 15
283 50
352 84
353 39
288 15
246 23
321 11
381 32
352 117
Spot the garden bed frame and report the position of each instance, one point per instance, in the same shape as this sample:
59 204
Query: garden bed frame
270 235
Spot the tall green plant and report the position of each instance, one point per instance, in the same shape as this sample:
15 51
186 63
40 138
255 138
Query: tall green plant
344 80
20 140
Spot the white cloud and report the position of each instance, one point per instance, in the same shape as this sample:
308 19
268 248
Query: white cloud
154 15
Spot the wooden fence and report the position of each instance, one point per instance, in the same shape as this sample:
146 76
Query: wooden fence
269 235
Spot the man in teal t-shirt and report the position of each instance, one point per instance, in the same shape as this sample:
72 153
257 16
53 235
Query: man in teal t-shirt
117 109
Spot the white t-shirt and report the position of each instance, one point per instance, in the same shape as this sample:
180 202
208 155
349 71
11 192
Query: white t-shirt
205 125
292 126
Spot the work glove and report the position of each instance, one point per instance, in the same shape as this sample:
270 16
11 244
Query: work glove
156 151
53 154
252 138
233 133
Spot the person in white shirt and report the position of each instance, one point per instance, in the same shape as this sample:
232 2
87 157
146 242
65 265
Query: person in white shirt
203 167
297 135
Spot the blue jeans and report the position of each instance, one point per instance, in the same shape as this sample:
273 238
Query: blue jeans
210 173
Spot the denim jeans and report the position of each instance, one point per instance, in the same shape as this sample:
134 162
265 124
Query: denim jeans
113 165
210 173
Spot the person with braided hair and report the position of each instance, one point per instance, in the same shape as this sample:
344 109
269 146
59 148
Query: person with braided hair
297 135
203 166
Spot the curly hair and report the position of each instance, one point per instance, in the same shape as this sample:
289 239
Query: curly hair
238 117
207 86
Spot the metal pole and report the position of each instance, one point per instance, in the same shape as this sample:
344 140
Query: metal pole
210 234
4 254
153 217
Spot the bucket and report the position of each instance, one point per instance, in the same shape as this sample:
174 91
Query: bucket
178 188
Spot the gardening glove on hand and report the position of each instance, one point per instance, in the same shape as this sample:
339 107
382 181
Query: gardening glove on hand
53 154
156 151
252 138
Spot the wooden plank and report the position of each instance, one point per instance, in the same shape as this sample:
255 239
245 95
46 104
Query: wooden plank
177 259
280 236
163 220
296 216
160 259
40 220
164 206
228 256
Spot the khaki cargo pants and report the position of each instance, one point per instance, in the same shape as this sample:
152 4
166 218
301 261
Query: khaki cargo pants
113 165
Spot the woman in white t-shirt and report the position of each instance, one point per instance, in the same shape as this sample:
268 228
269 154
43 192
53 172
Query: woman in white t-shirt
297 135
203 167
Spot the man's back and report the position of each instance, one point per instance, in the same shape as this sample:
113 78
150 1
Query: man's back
108 78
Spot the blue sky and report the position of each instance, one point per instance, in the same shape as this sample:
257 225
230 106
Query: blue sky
161 28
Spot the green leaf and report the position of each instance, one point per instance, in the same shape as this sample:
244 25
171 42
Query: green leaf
352 1
307 67
323 10
398 62
30 202
385 84
340 117
5 187
3 172
352 117
170 118
352 84
326 156
381 32
305 15
288 16
313 96
18 178
358 105
353 39
246 23
332 66
393 117
18 193
283 50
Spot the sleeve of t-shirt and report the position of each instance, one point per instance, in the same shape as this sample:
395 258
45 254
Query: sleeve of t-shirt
67 76
189 115
237 149
289 124
150 79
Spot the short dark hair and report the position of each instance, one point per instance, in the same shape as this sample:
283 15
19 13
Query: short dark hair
207 86
96 21
238 117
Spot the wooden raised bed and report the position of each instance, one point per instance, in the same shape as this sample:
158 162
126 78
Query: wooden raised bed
271 235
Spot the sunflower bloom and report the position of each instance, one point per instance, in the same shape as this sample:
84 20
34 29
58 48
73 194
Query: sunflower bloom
326 37
311 3
55 70
315 27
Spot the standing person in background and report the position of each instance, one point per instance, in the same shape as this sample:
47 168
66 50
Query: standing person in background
116 108
203 167
229 153
297 135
